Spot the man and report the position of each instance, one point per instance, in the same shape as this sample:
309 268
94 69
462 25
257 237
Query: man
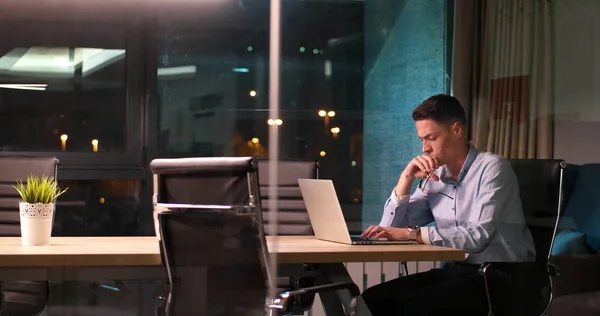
471 197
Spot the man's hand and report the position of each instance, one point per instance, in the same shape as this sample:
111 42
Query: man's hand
389 233
418 168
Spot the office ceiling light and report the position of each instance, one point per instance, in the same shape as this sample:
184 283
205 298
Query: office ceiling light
20 86
57 62
177 71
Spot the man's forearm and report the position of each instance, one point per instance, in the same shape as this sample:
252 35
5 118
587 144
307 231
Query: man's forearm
404 185
404 234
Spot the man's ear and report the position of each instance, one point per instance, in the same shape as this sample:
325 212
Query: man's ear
457 129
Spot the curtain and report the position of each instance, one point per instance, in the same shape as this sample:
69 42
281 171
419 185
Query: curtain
511 103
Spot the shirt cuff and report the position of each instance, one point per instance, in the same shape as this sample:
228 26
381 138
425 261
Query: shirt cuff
425 235
397 200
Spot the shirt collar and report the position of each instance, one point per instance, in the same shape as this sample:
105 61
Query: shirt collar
471 155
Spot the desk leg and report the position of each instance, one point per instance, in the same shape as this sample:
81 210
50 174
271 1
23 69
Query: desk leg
333 302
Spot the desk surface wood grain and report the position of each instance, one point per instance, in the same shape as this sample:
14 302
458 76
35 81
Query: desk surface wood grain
144 251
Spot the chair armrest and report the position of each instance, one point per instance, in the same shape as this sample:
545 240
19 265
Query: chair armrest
280 301
350 286
530 269
518 288
579 274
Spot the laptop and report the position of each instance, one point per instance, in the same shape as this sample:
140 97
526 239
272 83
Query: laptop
327 218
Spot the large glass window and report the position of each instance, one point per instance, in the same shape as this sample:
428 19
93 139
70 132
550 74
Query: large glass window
71 81
99 208
350 71
322 92
212 78
59 94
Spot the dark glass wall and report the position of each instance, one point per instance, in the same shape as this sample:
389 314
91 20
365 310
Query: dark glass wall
213 81
107 87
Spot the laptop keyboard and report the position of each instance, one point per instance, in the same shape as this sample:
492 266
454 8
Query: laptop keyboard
359 238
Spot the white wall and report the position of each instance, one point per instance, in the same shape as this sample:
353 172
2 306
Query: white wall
577 78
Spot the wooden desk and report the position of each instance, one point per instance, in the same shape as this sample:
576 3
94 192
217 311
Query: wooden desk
144 251
99 258
307 249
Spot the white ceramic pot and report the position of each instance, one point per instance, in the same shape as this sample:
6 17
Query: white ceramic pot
36 223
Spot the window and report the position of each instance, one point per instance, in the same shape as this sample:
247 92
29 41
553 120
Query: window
62 98
351 73
71 82
99 208
212 78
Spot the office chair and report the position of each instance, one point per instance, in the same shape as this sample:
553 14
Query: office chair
577 290
527 286
210 211
292 219
21 297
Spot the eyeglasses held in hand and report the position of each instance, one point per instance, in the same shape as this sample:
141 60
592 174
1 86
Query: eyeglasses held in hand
423 183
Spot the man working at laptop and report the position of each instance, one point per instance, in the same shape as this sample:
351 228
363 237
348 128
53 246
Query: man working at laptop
473 199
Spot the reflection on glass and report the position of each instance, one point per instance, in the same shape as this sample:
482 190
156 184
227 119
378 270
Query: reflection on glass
61 98
56 62
213 85
98 208
213 78
351 72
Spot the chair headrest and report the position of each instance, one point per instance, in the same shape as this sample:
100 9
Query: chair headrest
202 164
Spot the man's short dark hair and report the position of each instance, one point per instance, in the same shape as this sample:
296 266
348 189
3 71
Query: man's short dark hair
441 108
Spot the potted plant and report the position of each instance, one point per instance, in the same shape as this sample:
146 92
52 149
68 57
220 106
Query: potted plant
36 209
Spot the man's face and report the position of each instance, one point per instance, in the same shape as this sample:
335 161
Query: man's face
439 141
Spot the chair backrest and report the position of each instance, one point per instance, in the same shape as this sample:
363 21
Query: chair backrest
211 234
292 218
205 180
541 192
213 261
16 168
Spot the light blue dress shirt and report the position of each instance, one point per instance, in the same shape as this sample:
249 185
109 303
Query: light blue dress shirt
480 213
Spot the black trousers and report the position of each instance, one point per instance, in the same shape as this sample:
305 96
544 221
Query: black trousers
455 289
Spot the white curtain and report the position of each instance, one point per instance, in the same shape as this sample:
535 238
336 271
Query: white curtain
511 103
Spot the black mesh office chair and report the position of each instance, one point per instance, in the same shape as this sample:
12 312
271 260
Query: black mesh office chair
292 219
22 297
212 238
526 288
